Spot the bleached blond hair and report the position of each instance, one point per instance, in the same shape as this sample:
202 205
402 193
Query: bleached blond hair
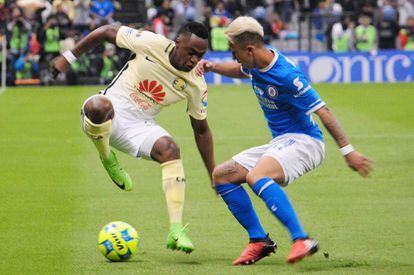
243 24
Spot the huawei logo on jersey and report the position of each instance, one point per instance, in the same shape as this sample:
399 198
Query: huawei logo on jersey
152 89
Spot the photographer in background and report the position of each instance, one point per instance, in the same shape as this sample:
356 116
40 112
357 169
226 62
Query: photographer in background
18 29
18 34
366 35
342 35
50 37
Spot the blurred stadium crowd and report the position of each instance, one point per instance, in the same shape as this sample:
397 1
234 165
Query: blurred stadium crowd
38 30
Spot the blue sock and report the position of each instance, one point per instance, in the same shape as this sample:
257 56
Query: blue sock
280 206
240 205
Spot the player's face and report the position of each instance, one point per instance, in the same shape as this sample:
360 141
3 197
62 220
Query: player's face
243 54
189 50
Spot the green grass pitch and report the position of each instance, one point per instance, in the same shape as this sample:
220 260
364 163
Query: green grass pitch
55 196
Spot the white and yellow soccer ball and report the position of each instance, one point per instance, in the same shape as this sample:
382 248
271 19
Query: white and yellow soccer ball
118 241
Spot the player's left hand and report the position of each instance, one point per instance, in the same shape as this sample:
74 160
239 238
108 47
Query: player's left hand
360 163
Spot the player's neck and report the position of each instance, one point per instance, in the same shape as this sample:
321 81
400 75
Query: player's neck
264 58
171 58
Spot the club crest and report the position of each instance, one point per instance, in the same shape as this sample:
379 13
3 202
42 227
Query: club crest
272 91
179 84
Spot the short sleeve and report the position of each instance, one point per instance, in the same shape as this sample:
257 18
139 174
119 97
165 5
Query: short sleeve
134 40
299 93
245 71
197 102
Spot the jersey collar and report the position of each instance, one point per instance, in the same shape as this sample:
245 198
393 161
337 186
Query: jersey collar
268 67
170 47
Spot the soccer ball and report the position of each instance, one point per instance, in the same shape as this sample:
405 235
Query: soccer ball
118 241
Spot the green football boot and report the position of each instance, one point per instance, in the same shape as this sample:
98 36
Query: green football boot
118 175
178 240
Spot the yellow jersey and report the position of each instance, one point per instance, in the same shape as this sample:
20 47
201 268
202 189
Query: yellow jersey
150 82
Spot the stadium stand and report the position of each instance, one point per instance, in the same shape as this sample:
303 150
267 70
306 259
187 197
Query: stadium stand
38 30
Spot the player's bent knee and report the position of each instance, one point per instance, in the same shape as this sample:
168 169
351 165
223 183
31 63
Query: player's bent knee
218 175
165 149
173 151
229 172
99 109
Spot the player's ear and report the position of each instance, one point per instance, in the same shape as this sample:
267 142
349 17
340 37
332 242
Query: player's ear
250 49
178 40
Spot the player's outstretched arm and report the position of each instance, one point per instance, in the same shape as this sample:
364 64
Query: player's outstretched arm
204 140
354 159
106 33
230 69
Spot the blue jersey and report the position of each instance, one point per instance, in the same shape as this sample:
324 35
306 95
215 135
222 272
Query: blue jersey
286 97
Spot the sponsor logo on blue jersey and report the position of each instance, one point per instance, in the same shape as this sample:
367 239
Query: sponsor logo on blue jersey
267 103
257 90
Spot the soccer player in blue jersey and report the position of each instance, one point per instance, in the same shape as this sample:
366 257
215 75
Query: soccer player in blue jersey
288 102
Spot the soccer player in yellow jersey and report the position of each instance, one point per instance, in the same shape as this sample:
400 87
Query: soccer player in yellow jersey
159 73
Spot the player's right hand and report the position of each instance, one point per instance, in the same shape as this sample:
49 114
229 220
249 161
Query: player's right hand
203 66
360 163
59 65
